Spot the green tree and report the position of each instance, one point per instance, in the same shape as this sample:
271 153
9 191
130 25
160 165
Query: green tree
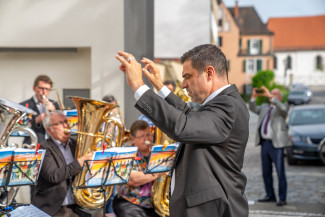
266 78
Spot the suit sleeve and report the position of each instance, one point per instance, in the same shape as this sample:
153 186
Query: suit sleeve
253 107
55 171
213 123
281 107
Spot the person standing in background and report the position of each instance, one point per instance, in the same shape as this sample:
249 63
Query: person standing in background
272 135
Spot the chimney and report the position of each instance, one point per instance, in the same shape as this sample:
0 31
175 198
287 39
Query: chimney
236 10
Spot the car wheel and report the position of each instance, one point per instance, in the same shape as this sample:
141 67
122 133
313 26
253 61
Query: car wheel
290 158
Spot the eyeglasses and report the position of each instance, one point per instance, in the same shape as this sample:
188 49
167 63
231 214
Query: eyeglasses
44 89
144 136
60 123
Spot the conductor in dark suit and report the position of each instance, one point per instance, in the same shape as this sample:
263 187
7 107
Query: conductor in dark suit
41 104
272 135
54 187
209 180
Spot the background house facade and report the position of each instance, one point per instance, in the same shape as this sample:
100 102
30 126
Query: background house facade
299 47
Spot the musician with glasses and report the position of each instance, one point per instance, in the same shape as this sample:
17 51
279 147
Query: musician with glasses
133 199
54 187
41 104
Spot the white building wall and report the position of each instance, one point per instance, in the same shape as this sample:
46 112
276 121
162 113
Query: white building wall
95 26
303 68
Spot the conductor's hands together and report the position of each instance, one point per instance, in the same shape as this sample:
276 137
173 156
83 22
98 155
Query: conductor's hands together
133 71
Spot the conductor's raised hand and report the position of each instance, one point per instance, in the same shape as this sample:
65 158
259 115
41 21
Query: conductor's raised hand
152 72
131 68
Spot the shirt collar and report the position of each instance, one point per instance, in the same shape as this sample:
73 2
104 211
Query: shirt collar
36 100
215 93
58 143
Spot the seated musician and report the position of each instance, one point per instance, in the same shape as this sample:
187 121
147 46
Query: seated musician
133 199
54 187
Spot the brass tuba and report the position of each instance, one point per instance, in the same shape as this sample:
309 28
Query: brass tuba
91 116
10 114
160 187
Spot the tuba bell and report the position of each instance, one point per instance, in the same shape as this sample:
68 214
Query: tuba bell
10 114
91 116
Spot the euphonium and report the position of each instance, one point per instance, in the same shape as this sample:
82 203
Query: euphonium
10 114
91 116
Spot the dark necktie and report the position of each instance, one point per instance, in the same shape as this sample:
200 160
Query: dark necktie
267 119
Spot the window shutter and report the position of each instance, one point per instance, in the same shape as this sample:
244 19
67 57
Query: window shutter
261 47
228 65
244 65
240 44
259 65
248 46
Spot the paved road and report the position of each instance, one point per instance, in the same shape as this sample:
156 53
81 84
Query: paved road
306 185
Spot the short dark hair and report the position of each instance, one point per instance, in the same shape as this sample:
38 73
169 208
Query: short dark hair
44 78
109 98
173 83
138 125
207 55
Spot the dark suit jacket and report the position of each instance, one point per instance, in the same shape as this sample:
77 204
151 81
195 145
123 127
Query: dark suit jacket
38 128
53 182
211 157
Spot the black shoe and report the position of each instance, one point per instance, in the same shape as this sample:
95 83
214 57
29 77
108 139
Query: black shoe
281 203
267 199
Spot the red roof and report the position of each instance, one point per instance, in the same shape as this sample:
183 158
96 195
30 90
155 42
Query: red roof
298 33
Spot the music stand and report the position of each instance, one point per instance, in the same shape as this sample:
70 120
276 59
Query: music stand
106 172
15 173
161 158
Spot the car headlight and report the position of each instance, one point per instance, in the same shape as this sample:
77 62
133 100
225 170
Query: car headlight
308 93
295 139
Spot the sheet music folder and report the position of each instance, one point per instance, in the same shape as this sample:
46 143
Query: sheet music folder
111 167
162 158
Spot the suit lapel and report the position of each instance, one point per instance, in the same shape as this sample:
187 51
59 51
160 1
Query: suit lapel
56 151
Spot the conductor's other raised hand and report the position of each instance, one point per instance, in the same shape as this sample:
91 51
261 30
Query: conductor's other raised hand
152 72
131 68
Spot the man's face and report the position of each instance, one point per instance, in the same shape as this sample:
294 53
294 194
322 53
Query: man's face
277 94
195 83
41 89
140 139
58 125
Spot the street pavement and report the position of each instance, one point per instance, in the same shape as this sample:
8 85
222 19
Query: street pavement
306 185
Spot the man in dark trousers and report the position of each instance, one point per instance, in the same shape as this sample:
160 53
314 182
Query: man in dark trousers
272 135
41 104
54 187
208 177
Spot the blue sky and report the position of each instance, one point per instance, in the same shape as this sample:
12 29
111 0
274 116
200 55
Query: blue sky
282 8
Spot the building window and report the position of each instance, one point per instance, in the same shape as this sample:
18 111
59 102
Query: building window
319 63
289 63
74 92
275 62
227 26
254 46
220 41
253 65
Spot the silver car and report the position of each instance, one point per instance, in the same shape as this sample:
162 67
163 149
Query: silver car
299 95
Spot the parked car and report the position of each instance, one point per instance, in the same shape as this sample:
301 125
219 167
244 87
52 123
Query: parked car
306 129
299 95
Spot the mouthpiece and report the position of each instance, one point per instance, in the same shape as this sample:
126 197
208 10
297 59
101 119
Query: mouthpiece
147 142
67 131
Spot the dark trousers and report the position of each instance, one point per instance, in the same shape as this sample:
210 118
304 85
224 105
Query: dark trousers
271 155
124 208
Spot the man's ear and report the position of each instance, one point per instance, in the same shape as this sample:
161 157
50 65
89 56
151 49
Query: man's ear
210 72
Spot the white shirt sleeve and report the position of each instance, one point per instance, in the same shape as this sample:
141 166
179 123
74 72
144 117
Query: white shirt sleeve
163 92
140 91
